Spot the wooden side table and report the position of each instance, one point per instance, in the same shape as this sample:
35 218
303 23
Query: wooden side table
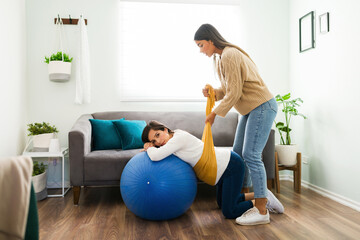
296 171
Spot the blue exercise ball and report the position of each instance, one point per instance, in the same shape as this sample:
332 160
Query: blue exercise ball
159 190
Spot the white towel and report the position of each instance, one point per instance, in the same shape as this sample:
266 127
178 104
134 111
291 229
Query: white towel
83 66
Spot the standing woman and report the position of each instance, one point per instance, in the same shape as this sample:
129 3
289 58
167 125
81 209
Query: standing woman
243 89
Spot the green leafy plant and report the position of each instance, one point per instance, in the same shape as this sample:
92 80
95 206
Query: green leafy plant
289 108
40 128
38 168
58 57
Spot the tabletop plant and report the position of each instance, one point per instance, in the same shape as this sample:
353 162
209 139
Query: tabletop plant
38 168
40 128
289 108
58 57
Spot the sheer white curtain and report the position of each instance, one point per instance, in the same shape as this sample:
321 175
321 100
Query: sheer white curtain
159 61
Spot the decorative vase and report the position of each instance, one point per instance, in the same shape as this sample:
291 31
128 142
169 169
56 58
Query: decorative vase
39 182
41 142
59 71
286 154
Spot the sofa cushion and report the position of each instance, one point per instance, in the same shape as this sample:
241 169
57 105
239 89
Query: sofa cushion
130 133
106 165
104 135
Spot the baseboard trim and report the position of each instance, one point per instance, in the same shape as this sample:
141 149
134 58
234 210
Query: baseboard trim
326 193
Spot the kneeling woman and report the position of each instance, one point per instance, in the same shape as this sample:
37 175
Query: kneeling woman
160 142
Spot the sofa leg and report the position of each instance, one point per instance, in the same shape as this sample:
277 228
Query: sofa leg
76 190
270 183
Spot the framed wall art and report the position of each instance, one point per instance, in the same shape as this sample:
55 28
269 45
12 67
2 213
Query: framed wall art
307 31
324 23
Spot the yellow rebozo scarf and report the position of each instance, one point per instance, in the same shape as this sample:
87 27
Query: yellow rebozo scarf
206 167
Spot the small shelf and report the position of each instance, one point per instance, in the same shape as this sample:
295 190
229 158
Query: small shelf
31 153
62 154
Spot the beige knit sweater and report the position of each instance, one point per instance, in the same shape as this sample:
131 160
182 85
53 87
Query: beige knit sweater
241 84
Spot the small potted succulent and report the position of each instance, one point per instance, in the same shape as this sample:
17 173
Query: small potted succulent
41 134
39 180
59 67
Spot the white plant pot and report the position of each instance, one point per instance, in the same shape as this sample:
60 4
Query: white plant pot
42 141
286 154
59 71
39 182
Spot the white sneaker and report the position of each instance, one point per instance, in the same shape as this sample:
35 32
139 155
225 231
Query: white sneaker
273 204
253 217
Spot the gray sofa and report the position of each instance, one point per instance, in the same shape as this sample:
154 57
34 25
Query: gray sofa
104 167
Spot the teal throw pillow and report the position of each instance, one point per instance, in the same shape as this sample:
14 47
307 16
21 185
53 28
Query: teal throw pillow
104 135
130 133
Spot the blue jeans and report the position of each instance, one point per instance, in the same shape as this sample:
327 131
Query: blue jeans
251 136
228 189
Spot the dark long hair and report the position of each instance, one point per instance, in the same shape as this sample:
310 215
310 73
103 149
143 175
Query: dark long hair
209 33
153 125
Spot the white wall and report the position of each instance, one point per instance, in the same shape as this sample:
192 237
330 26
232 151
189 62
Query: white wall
54 102
325 77
328 80
12 78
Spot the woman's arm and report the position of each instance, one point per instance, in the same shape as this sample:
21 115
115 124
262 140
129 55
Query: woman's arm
219 94
233 71
210 118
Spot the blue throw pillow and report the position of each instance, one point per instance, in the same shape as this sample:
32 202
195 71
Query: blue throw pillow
104 135
130 133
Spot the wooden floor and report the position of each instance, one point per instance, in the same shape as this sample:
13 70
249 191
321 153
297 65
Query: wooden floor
102 214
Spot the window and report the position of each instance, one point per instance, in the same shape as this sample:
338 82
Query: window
159 61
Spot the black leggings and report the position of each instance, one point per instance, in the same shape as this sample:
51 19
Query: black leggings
228 189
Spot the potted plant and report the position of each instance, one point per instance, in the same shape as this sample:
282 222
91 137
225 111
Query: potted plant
59 67
41 134
286 149
39 180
